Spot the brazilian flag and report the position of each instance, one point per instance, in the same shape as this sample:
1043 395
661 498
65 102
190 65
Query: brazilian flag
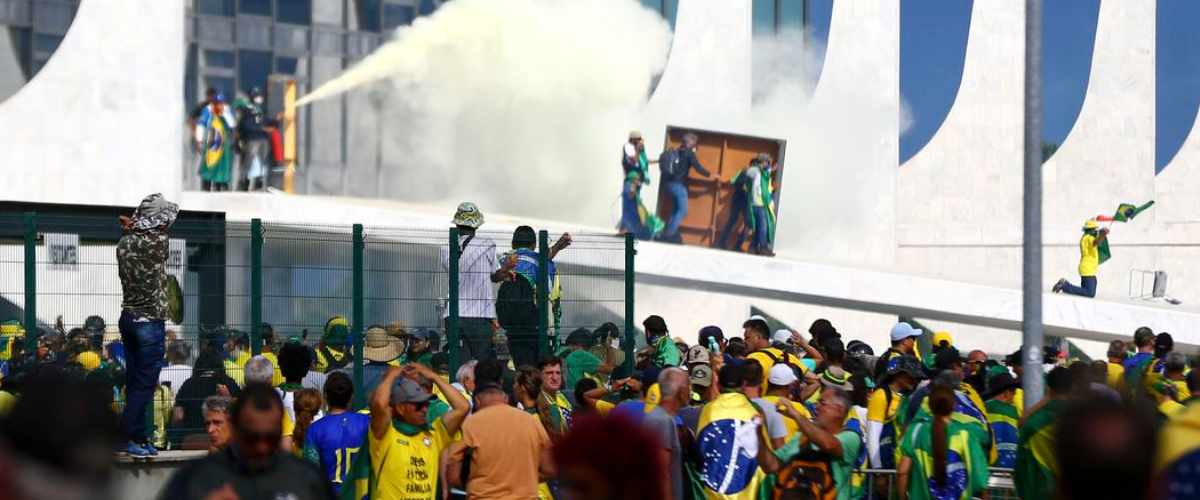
728 443
1037 465
1127 211
217 164
1178 460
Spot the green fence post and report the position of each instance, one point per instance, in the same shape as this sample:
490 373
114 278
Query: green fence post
452 302
256 244
30 282
630 333
356 321
543 293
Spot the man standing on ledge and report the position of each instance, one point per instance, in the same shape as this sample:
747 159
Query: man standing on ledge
1091 245
478 268
141 264
675 165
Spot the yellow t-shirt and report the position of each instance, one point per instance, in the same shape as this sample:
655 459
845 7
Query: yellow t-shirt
289 425
407 466
235 368
603 407
7 402
1089 258
1116 375
766 362
792 427
878 409
1019 402
278 377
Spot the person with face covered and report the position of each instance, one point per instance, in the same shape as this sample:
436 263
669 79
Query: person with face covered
884 424
254 173
141 264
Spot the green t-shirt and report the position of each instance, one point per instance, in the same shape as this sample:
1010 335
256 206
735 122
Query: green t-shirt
966 465
666 354
579 364
842 467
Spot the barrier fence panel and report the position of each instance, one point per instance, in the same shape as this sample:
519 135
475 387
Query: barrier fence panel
240 288
882 484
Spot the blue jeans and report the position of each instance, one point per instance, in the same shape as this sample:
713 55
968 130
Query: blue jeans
760 229
144 341
1088 288
737 211
679 198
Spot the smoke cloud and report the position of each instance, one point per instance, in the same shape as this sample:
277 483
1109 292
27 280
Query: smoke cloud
519 105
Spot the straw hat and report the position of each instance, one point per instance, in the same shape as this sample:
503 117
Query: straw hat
381 346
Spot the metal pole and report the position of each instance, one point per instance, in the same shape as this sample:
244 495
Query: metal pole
256 244
543 292
1031 326
30 282
630 339
452 302
356 318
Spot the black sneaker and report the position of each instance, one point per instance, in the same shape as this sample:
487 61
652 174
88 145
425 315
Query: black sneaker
1058 287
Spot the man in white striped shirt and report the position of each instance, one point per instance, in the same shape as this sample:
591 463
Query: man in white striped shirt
478 269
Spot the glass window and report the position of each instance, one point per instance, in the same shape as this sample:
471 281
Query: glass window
791 14
655 5
219 58
46 43
397 15
223 84
215 7
253 68
293 11
427 7
255 7
763 17
368 14
286 65
672 11
23 46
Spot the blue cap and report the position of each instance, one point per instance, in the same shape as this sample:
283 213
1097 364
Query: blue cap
904 330
219 98
419 333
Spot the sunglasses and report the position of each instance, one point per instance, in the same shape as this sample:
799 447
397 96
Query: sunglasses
419 406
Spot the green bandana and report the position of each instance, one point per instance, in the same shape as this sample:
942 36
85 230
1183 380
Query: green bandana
408 429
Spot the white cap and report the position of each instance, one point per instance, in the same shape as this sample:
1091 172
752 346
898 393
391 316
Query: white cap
781 374
782 336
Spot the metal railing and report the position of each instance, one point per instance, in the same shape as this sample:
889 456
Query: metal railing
1000 484
246 288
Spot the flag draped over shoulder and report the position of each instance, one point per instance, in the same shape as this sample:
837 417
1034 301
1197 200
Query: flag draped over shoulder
1037 464
1178 460
728 444
217 163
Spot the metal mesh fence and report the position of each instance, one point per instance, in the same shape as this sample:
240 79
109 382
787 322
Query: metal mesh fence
250 287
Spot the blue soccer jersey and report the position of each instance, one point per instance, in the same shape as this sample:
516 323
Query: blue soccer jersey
333 441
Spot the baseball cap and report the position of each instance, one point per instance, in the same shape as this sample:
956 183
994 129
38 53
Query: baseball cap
1000 383
903 331
419 333
701 375
782 336
1163 343
407 391
710 332
942 337
781 374
1014 359
730 376
697 354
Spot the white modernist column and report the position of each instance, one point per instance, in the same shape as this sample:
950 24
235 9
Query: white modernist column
707 78
1109 155
103 120
1175 186
967 175
849 156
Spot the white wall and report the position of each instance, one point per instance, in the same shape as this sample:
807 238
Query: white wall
101 122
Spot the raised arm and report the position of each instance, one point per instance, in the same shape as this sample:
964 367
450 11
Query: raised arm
381 407
824 440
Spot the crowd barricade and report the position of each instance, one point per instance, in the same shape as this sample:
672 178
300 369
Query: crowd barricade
243 288
1000 484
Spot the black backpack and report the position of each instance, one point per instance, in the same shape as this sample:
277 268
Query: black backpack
671 163
807 476
516 308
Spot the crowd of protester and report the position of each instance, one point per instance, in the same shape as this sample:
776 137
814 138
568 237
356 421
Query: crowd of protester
235 140
755 414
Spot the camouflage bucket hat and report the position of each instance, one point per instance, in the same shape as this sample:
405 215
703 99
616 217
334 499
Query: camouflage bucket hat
468 215
153 212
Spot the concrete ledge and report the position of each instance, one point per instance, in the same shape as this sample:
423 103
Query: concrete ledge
144 479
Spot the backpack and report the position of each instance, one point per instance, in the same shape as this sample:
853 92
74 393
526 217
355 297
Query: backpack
671 163
807 476
516 308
